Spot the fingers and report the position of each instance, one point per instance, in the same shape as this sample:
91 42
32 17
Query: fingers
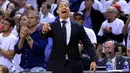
94 70
93 67
45 27
25 31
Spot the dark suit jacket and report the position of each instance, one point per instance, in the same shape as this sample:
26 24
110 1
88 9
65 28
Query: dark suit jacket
59 50
119 62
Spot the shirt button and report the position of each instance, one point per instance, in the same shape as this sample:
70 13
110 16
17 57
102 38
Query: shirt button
25 60
26 55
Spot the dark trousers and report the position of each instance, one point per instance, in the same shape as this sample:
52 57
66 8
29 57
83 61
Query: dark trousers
67 68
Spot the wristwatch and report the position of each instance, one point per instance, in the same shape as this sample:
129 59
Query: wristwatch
29 38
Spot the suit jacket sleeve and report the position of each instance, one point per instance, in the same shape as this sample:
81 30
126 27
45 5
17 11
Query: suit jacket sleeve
87 44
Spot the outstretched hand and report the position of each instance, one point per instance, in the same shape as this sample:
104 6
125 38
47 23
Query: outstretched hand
93 67
45 27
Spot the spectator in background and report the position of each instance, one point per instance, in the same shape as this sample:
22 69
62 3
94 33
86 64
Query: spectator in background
78 17
93 18
4 69
110 52
121 49
112 27
30 44
7 43
46 16
22 21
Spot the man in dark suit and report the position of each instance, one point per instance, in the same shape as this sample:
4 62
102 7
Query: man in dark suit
110 51
65 56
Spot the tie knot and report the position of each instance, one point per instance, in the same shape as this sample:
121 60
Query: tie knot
63 22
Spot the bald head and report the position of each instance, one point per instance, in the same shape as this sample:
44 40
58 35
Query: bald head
109 49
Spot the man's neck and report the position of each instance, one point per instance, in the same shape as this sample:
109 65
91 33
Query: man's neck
88 11
111 20
64 18
33 29
111 57
6 34
45 14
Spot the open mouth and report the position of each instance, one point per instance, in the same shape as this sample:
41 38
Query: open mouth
64 11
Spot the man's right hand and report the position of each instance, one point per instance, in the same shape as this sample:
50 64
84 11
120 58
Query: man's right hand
45 27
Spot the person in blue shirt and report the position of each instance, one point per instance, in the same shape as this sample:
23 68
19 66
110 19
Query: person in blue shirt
31 45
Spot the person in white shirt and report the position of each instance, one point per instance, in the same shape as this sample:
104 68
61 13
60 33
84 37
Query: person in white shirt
112 27
78 17
46 16
7 43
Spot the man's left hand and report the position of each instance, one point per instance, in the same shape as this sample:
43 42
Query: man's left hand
93 67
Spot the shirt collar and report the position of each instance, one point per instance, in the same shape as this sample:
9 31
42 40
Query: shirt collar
114 59
67 20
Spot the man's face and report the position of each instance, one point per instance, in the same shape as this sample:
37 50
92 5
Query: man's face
32 20
88 3
44 9
79 19
63 10
110 14
6 26
109 49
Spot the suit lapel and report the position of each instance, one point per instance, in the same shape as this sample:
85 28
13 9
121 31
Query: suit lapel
59 30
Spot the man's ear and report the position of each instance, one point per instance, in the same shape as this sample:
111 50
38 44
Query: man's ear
57 11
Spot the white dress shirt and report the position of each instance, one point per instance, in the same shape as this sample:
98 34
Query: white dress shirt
114 63
68 28
68 31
